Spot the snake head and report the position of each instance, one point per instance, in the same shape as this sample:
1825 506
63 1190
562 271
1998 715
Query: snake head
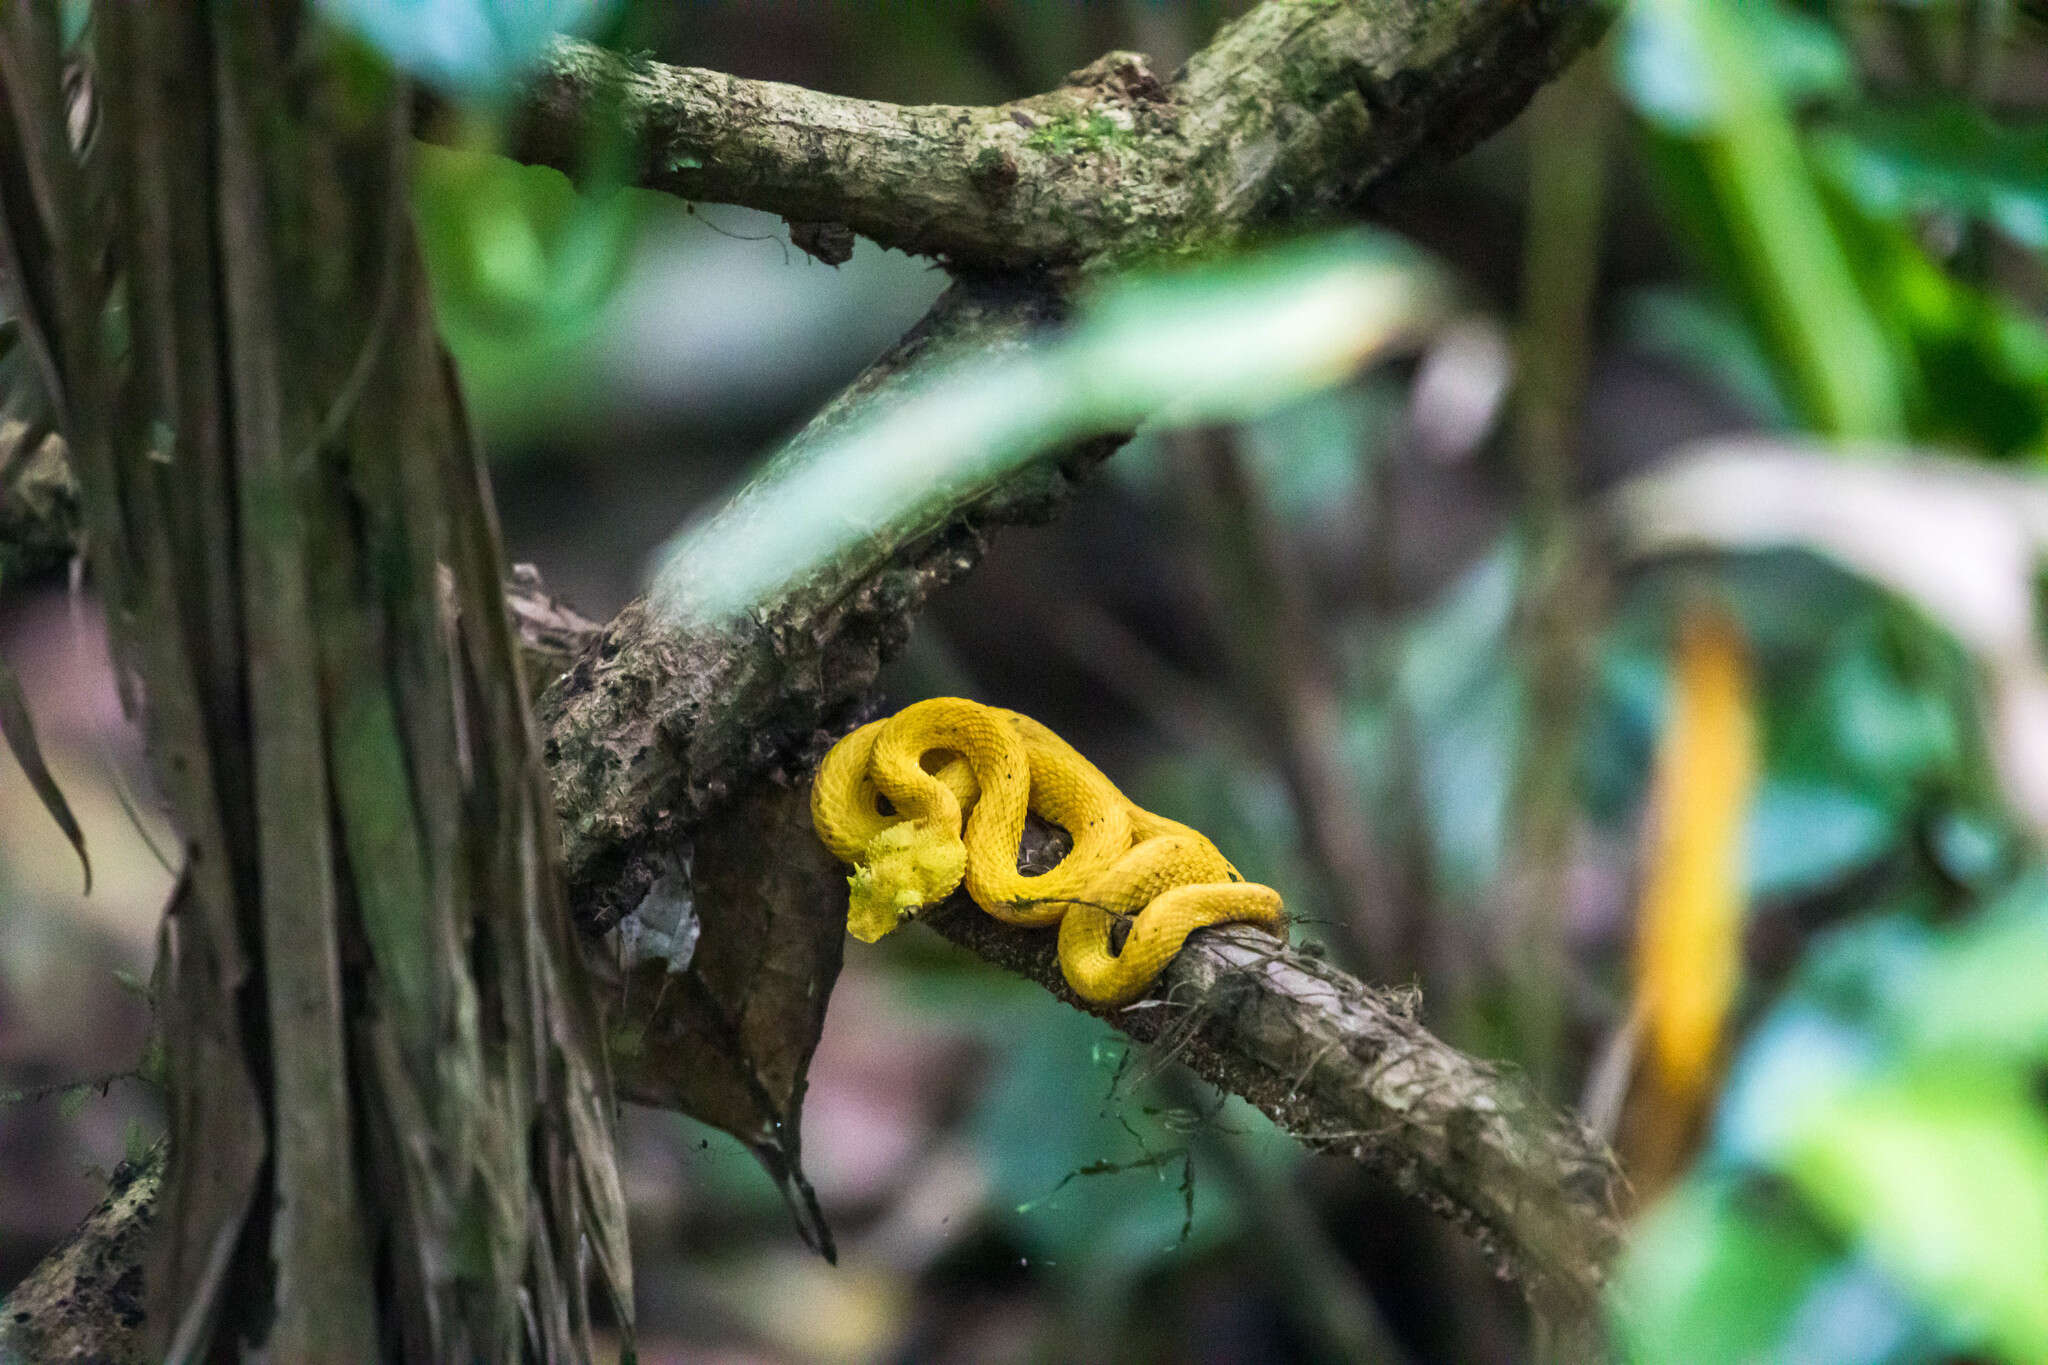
903 870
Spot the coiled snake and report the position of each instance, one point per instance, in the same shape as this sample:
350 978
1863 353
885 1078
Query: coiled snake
958 778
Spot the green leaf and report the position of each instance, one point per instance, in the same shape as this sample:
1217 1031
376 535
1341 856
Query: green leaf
1977 992
1897 162
468 47
1660 66
1736 179
1974 369
1215 343
1722 1273
1803 836
524 271
18 729
1942 1174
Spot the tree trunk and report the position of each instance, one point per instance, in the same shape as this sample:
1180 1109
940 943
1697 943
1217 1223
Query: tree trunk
390 1128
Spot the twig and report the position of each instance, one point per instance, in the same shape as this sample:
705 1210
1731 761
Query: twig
1557 610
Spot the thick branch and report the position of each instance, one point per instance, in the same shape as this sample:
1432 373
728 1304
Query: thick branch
1289 115
653 729
1347 1069
85 1300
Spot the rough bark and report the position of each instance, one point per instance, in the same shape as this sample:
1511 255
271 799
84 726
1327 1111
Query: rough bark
1288 115
389 1113
85 1301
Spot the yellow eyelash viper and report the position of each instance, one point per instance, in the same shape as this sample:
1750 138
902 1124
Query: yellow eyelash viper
958 778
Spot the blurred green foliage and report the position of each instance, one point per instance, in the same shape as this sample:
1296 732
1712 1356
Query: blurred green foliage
1876 1187
1798 191
1202 344
523 269
475 49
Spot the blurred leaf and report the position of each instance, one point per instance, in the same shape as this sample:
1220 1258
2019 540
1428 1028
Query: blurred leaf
1689 926
1736 179
1958 540
1719 1274
1942 1173
467 47
1895 1085
1803 836
1467 711
1800 1055
1981 991
1711 340
523 269
1952 157
18 729
1908 989
1659 61
1231 340
1974 369
1216 343
1884 731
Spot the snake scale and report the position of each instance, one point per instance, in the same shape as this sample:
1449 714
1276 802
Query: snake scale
936 795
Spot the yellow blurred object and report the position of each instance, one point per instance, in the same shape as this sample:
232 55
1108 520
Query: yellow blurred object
1689 924
959 778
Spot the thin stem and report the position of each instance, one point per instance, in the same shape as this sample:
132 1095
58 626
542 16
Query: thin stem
1568 173
1285 684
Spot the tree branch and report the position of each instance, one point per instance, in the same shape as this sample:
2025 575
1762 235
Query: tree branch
1346 1068
1290 114
84 1301
653 729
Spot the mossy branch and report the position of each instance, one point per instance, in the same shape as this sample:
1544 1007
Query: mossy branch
1289 115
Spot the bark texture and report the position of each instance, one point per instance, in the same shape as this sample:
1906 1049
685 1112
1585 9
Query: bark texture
1346 1068
389 1112
85 1302
1290 114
